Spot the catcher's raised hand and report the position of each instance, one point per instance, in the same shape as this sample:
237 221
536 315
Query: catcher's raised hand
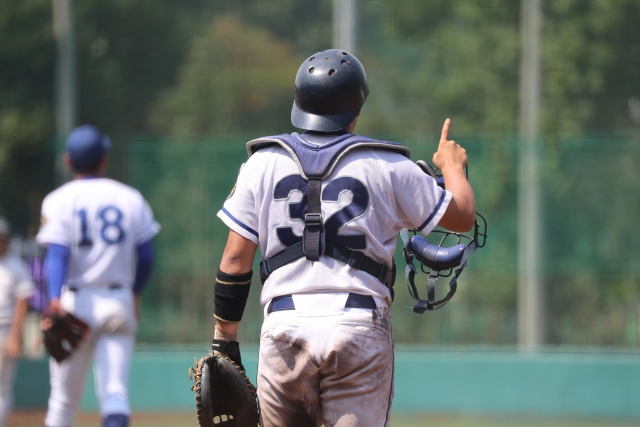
451 160
449 153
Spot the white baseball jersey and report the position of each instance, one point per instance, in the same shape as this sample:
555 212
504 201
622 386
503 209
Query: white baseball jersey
15 283
102 221
370 195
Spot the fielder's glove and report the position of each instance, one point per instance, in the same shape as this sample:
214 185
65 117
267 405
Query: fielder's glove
62 333
224 395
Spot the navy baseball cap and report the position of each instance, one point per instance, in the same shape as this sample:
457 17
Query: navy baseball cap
86 145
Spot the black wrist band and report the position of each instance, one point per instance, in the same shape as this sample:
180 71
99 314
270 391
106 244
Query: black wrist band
230 294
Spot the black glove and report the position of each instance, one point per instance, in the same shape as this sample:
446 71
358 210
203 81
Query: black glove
223 391
228 348
62 333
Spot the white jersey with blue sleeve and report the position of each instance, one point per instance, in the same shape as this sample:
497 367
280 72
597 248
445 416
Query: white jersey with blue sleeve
102 222
370 195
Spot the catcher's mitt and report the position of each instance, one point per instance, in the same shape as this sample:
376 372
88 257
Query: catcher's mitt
62 333
224 395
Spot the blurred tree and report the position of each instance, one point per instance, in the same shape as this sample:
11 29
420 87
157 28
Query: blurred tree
306 23
591 57
431 60
128 51
27 54
460 58
235 79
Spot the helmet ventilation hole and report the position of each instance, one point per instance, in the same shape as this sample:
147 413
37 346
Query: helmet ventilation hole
326 59
332 72
311 70
345 53
312 58
343 62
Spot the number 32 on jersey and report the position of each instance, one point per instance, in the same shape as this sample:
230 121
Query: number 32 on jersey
331 193
108 222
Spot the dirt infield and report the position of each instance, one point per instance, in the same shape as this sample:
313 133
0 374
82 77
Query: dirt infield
173 419
187 419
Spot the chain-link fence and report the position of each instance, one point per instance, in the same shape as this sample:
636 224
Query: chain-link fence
591 250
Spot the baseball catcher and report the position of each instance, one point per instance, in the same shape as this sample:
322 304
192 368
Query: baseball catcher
224 395
62 333
325 207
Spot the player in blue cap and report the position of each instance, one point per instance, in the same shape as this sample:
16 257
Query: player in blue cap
98 234
87 148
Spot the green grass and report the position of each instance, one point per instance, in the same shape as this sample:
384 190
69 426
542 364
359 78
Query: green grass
487 421
187 419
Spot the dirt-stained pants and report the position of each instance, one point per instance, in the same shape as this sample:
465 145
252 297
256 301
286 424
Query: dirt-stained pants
332 369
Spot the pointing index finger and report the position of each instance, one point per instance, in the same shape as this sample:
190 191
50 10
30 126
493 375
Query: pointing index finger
445 130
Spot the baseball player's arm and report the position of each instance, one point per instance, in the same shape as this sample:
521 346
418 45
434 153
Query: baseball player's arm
23 290
143 272
13 345
144 266
232 289
451 160
56 262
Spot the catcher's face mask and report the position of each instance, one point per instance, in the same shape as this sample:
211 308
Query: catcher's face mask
437 259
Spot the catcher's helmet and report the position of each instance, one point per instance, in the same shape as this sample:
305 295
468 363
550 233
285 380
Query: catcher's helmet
86 145
331 87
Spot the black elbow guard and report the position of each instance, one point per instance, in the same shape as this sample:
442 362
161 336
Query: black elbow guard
230 294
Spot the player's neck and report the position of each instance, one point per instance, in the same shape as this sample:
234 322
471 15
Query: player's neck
87 176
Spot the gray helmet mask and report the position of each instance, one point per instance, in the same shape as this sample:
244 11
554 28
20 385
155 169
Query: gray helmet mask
330 88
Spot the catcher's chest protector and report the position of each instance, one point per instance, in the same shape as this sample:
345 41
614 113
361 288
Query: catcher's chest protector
315 163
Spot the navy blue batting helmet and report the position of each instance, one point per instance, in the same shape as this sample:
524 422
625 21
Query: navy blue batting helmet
331 87
86 145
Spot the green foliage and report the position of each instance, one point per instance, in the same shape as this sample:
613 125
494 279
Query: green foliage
589 66
235 78
306 23
26 123
431 60
128 51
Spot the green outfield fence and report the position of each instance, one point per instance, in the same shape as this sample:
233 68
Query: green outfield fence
476 380
591 241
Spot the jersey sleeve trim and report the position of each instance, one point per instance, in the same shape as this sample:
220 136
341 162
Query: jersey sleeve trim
46 238
148 234
238 226
25 289
436 214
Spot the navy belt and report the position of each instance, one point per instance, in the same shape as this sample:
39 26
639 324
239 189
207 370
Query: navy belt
285 302
111 286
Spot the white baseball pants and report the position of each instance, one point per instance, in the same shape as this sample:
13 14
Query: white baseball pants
335 369
111 318
7 376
